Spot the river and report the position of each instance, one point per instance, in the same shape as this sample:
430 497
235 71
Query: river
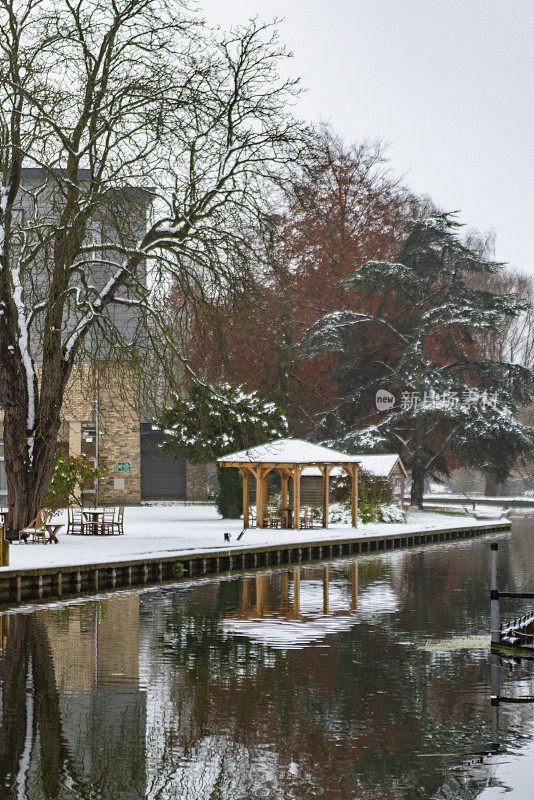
354 679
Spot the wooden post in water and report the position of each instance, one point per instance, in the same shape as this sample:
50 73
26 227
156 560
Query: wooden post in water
494 595
354 585
495 698
326 586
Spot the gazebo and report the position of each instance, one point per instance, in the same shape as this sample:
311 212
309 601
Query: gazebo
290 457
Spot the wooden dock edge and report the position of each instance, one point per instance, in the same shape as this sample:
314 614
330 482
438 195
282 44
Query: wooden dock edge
512 650
52 583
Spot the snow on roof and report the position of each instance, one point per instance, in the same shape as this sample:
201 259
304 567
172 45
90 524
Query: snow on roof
289 451
378 465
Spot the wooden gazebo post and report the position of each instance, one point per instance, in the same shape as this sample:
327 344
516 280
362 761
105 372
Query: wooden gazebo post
245 473
326 493
259 498
284 480
354 496
297 469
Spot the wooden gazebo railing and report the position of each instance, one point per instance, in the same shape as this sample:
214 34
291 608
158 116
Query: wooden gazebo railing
290 457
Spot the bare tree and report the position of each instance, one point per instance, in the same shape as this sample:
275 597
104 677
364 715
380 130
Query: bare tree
111 109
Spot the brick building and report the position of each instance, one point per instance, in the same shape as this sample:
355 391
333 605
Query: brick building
104 387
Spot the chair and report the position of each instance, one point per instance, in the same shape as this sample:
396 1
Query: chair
118 523
108 521
252 516
36 529
76 524
306 519
271 519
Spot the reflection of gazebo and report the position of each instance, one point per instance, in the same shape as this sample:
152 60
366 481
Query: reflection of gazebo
287 614
290 457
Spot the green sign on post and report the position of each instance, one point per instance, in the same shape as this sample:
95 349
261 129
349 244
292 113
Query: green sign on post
124 466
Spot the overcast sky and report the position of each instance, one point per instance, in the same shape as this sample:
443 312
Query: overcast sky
448 84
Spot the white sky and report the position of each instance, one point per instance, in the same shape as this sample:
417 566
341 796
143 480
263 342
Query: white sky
448 84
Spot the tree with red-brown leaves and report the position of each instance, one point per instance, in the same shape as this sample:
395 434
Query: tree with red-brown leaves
341 208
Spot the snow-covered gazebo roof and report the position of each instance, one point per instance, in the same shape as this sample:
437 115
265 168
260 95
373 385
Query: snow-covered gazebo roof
290 457
288 451
381 465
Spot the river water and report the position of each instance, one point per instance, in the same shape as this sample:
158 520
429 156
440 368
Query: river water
363 679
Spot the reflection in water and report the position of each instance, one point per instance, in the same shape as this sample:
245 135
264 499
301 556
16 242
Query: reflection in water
293 608
356 679
72 710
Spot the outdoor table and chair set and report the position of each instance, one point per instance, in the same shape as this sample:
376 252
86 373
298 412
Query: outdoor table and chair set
95 521
283 518
80 521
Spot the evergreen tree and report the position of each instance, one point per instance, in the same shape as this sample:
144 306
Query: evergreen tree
420 345
209 422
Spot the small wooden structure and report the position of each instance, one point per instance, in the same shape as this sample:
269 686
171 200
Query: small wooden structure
388 467
290 457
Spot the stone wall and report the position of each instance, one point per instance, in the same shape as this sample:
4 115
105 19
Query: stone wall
119 426
120 440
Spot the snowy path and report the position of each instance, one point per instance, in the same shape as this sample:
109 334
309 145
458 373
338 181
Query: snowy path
173 529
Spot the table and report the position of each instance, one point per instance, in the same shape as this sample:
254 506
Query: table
95 519
52 531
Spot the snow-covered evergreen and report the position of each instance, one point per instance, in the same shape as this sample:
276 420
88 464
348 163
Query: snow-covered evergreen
420 344
209 422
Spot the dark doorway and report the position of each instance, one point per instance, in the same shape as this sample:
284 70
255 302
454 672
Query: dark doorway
162 476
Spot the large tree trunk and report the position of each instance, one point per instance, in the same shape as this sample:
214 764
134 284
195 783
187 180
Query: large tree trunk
418 484
492 487
27 481
418 469
29 456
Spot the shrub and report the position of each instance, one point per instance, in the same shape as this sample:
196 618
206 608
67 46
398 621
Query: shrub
71 474
374 504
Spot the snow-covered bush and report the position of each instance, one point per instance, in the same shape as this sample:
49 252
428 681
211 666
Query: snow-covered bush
381 512
208 422
373 500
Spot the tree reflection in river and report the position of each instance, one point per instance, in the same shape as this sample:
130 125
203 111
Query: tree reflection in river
347 680
64 732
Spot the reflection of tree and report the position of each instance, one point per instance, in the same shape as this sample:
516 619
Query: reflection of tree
53 750
13 728
28 656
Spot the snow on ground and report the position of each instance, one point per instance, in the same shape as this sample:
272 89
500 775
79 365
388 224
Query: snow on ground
160 530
